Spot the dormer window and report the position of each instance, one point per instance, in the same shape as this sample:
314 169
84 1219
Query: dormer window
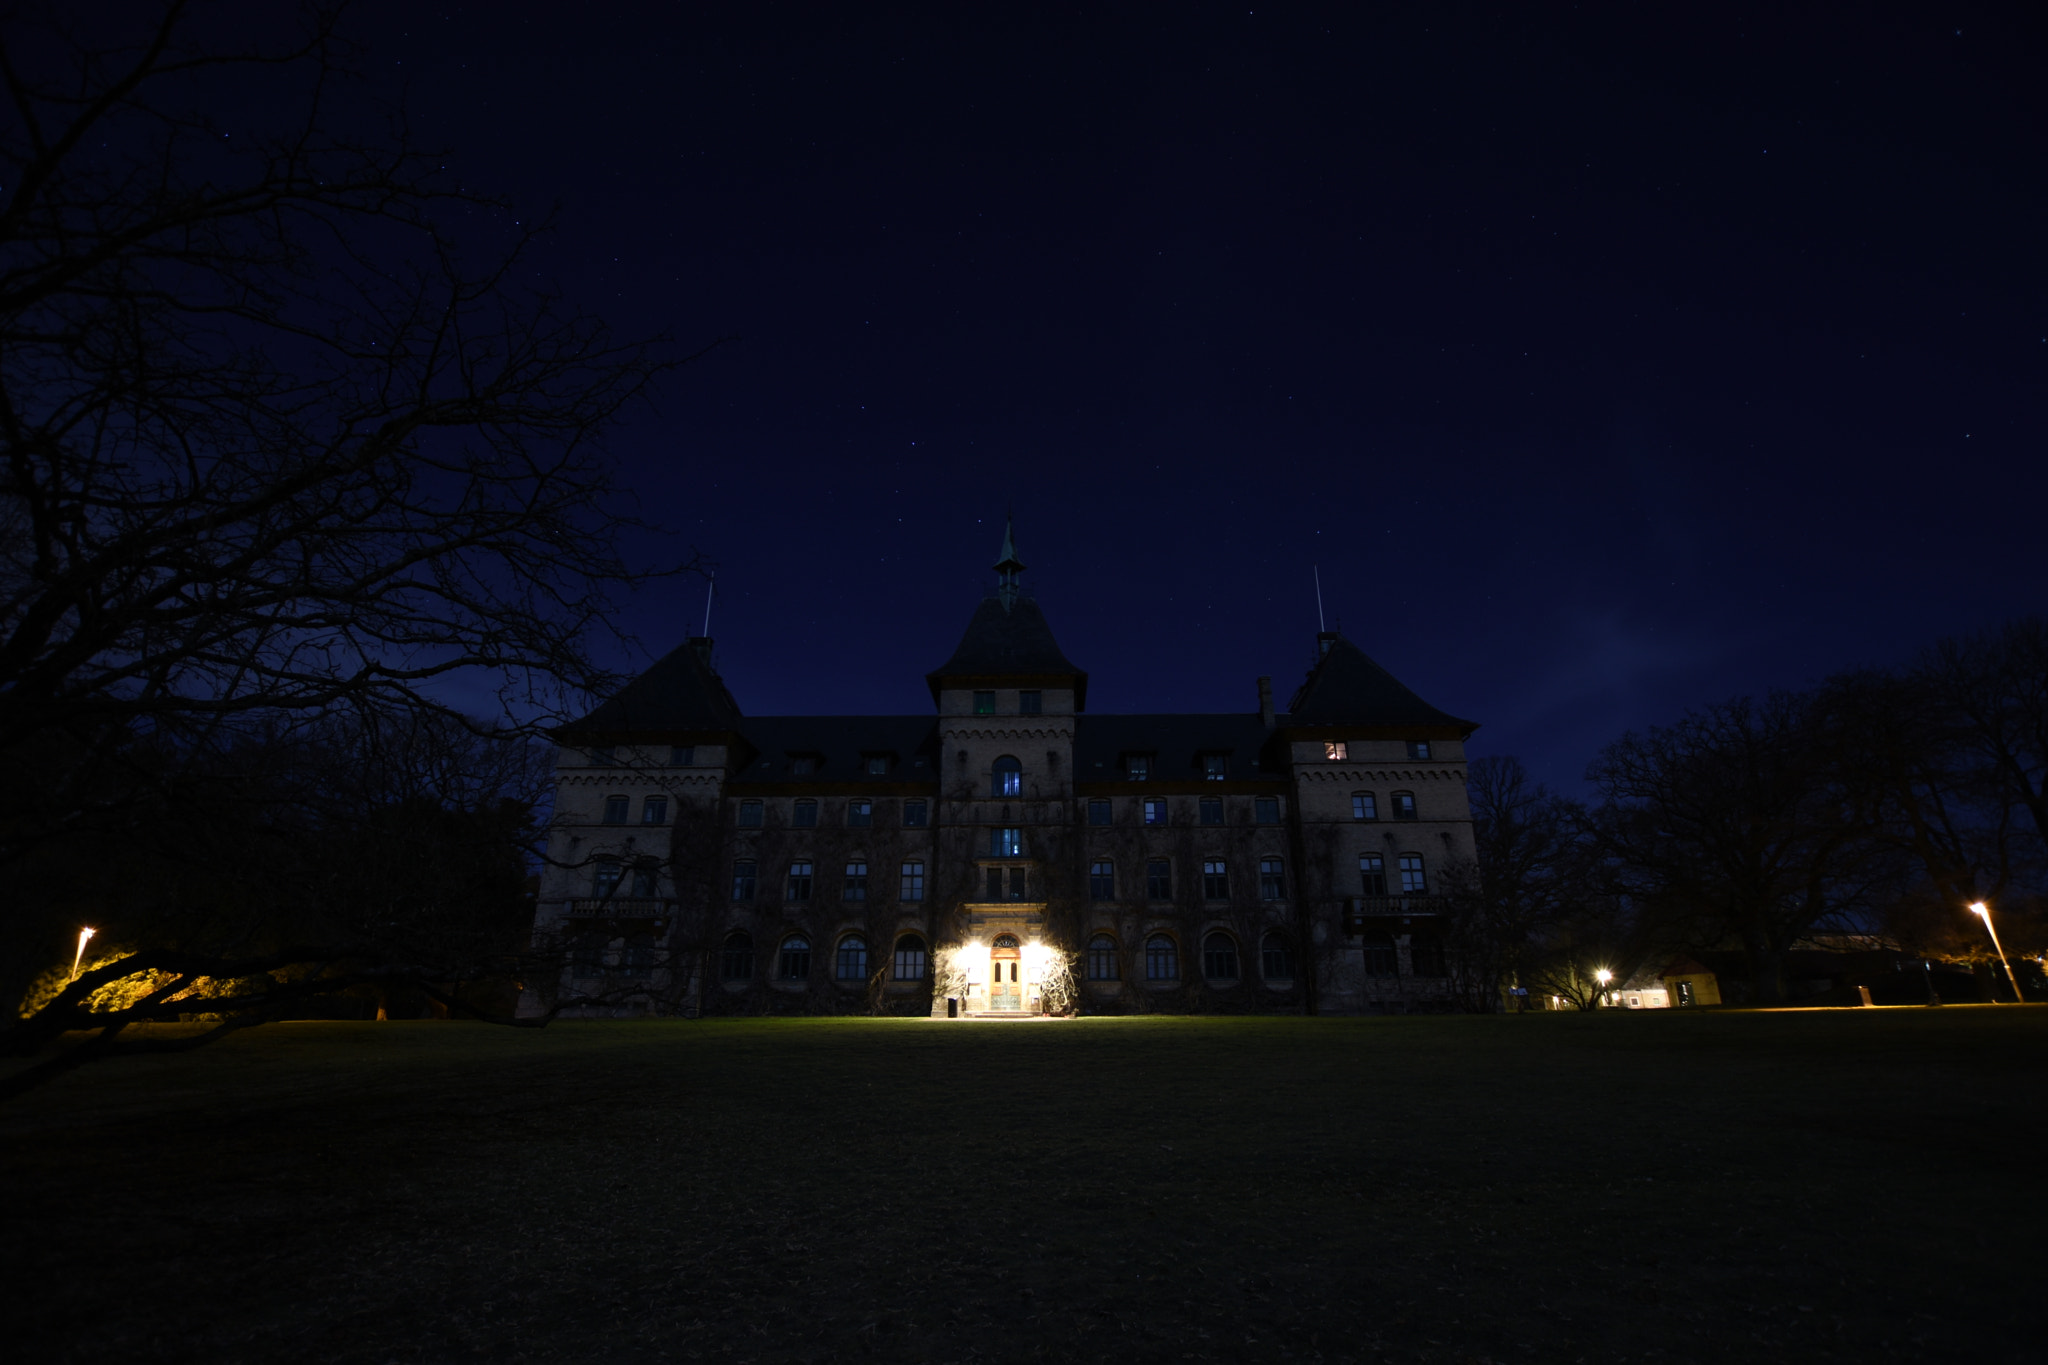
1335 751
803 765
1215 767
1138 767
878 765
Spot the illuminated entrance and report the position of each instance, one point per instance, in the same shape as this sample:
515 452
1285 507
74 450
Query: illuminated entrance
1006 973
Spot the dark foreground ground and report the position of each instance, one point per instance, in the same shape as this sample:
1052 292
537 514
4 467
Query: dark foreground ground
1855 1185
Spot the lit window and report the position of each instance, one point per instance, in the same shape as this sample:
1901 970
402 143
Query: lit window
914 815
1372 873
1404 806
1379 956
1215 767
616 809
1162 959
750 815
1426 956
646 881
1418 748
1266 810
1272 880
794 961
805 816
604 756
743 879
1155 811
1219 958
1159 880
1030 703
1102 959
1413 883
878 765
1334 750
799 887
860 812
604 880
654 810
856 886
910 959
1138 768
1276 958
913 881
1098 812
736 957
803 765
1006 778
984 703
1005 842
1364 806
1215 880
850 963
1102 880
681 755
1212 810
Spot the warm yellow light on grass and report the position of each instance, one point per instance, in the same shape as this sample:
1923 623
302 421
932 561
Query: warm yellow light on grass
1983 912
79 956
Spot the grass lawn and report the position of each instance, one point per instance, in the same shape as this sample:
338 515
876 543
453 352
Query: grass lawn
1852 1185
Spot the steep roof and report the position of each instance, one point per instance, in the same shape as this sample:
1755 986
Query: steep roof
1009 640
1347 688
678 694
838 747
1180 741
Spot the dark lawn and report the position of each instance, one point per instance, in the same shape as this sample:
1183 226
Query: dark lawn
1847 1185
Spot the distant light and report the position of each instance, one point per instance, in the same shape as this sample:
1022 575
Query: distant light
1980 908
79 956
1603 976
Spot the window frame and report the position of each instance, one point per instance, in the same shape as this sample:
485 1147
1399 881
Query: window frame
749 807
1375 875
851 949
910 880
745 883
1379 957
1265 810
793 958
1100 811
916 813
1006 779
795 882
1216 947
1159 879
1105 958
1336 751
1138 767
605 876
618 810
1005 841
736 959
984 703
1102 879
1162 957
1365 807
1215 767
803 814
1405 806
853 886
1274 944
1156 805
682 755
646 881
1419 749
654 810
1030 702
1416 884
860 813
1207 806
1272 879
1215 879
919 954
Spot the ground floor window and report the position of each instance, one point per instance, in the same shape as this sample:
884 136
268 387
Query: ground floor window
1162 959
851 962
736 957
1379 957
1102 959
1426 957
1219 957
1277 957
910 958
794 963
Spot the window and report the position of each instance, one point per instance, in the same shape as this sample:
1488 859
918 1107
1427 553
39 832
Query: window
1379 956
1102 963
1404 806
604 880
805 815
1159 880
1266 810
1335 751
750 815
1102 880
984 703
1364 806
1155 811
856 885
910 959
654 810
1413 883
914 816
878 765
1018 887
1272 880
586 955
995 883
646 879
860 812
604 755
913 882
1215 880
794 961
616 808
1162 959
1006 778
1219 958
1098 812
681 755
803 765
743 879
850 963
1030 703
1418 748
1215 767
1372 874
1426 956
1212 810
1138 767
1276 957
799 888
1005 842
736 957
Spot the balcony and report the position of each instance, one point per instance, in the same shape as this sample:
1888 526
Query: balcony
1359 909
619 907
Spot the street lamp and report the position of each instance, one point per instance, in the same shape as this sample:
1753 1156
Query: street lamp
84 934
1983 912
1603 976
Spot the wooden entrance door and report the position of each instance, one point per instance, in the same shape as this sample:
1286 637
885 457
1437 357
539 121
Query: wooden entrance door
1006 974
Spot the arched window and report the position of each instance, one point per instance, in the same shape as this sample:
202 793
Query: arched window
1005 943
1219 957
736 957
1007 778
750 815
851 961
1162 959
1426 956
795 959
1379 956
1276 956
1102 959
910 958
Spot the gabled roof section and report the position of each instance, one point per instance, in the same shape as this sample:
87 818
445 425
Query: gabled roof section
1009 641
679 694
1347 688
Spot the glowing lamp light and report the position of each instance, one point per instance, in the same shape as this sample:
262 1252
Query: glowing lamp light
79 956
1603 976
1983 912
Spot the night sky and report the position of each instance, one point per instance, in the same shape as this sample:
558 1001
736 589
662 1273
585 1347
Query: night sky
1606 364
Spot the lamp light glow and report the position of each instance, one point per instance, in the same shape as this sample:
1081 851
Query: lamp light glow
79 956
1983 912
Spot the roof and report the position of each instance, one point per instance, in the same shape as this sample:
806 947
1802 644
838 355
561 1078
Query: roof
679 694
839 746
1100 742
1347 688
1009 640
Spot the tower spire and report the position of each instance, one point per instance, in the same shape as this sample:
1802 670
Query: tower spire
1008 567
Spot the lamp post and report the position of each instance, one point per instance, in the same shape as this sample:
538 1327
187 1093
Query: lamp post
79 956
1603 976
1983 912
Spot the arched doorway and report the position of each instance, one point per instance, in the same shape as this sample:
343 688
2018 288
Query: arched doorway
1006 973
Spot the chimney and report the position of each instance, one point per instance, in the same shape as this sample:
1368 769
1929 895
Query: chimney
1266 702
700 645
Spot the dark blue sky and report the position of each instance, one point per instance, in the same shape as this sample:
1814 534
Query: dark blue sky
1606 363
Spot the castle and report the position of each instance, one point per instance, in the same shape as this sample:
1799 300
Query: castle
1010 854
